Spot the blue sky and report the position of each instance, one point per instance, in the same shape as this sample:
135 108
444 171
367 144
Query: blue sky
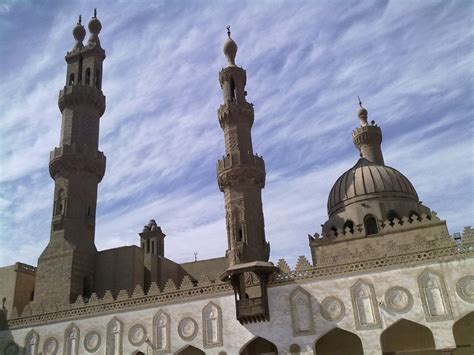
306 62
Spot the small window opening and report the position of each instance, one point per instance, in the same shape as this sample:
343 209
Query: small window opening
232 89
371 225
59 203
143 245
71 79
240 236
153 247
88 76
32 295
334 230
349 224
89 211
391 215
86 287
97 79
148 245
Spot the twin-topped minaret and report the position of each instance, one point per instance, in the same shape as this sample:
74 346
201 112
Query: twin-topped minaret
241 176
66 266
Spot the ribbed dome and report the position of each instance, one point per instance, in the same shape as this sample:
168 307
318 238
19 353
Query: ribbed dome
366 180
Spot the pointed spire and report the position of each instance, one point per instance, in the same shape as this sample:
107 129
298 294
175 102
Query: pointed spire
230 49
362 113
79 32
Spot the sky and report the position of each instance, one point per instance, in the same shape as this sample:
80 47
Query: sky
306 62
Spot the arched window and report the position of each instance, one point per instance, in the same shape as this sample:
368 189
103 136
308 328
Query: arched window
399 338
334 230
370 224
391 215
59 208
240 235
348 224
338 342
71 79
88 76
232 89
97 79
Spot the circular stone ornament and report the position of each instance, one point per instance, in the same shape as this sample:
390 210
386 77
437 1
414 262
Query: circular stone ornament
187 329
50 346
465 288
92 341
398 299
137 335
332 309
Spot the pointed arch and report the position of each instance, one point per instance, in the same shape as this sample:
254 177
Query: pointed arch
301 312
258 346
339 342
434 296
399 339
463 331
161 331
32 343
190 350
71 340
212 325
114 337
365 307
370 224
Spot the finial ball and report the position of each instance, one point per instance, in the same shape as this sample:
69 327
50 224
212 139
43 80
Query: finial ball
230 49
94 24
79 32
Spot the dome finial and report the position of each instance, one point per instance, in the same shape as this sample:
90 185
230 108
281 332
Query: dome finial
79 33
94 28
230 49
362 114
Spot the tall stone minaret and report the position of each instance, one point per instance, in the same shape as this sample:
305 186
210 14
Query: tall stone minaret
241 173
66 266
368 138
241 176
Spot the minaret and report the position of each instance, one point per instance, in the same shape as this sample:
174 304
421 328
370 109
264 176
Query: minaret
66 266
368 138
152 241
241 176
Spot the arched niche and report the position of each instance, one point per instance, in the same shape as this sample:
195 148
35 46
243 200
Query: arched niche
161 331
407 337
31 343
259 346
301 312
339 342
212 325
463 331
114 337
71 340
190 350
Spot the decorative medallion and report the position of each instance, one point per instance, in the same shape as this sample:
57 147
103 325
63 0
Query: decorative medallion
92 341
332 309
137 335
187 329
465 288
398 299
12 349
50 346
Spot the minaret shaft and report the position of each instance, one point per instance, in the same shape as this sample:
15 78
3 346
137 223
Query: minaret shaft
66 266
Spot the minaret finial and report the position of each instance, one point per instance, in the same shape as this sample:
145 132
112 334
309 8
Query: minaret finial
360 102
95 13
228 30
362 114
80 20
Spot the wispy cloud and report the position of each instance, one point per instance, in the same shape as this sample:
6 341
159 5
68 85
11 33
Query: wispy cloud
306 63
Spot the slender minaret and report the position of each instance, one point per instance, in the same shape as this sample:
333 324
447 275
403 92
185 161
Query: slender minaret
66 266
368 138
241 173
241 176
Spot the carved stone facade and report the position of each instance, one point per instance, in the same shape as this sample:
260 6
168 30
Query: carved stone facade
382 259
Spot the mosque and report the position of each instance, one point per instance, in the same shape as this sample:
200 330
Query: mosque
385 275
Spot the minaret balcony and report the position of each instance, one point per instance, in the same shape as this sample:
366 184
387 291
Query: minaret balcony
74 95
231 112
73 158
240 169
367 135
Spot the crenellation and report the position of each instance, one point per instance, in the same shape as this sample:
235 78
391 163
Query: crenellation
170 286
122 295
